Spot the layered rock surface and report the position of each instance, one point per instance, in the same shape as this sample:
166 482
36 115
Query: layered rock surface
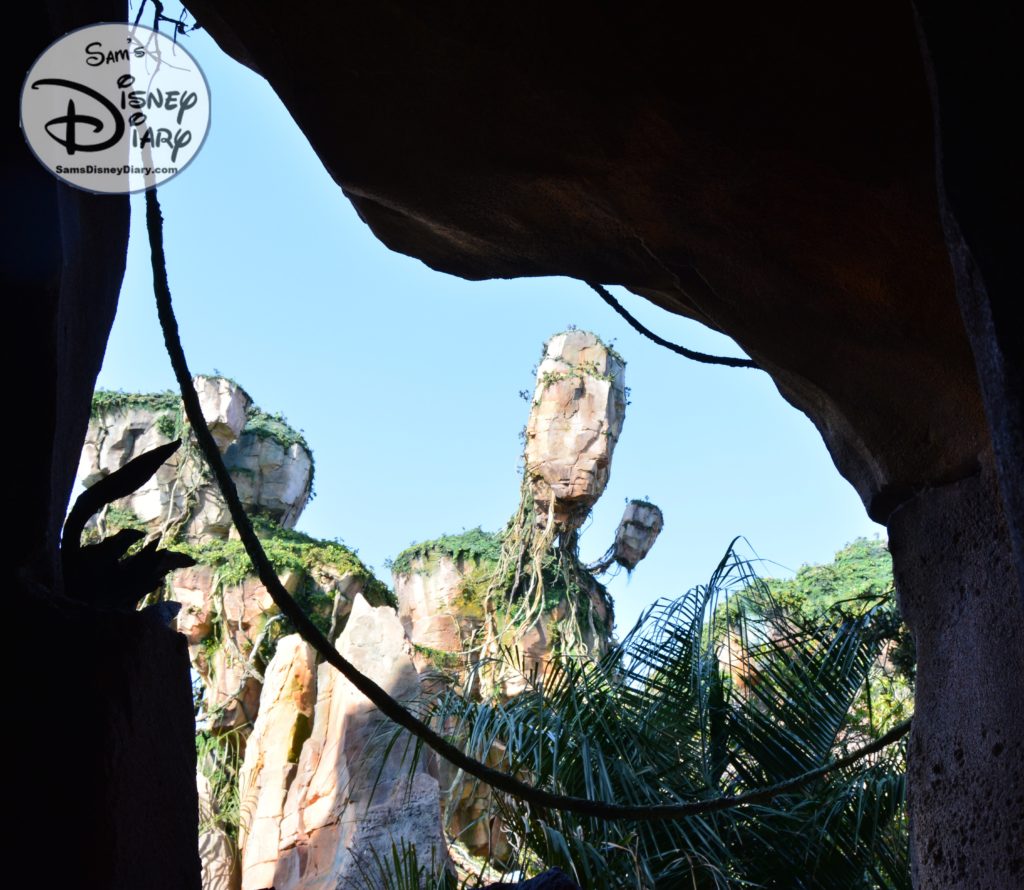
269 462
351 796
638 529
579 404
271 756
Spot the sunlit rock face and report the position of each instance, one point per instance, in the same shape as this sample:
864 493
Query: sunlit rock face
271 476
347 798
225 406
271 468
578 408
430 602
271 757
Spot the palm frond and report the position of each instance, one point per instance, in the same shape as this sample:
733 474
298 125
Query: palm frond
658 720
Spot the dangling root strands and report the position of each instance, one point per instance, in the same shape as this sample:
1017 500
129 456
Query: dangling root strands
378 696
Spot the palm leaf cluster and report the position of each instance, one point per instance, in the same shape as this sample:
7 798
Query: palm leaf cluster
664 718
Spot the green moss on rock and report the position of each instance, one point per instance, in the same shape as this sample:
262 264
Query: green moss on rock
291 551
107 401
475 544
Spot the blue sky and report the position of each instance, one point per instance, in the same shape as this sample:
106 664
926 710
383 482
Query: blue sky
406 381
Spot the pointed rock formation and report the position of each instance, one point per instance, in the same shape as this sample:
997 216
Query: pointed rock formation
348 799
271 757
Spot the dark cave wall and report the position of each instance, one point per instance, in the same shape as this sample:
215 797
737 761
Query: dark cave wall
959 592
106 783
974 65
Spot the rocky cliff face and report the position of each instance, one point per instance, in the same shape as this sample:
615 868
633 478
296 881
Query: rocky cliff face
270 463
354 796
281 729
256 686
298 787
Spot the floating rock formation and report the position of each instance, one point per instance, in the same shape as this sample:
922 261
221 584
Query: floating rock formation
578 407
638 529
490 613
269 462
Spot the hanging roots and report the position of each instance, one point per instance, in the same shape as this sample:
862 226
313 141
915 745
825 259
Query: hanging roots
537 562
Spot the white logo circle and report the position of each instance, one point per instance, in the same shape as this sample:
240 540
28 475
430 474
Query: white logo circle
115 108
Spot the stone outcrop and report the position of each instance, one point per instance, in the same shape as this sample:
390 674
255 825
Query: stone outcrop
225 408
432 605
272 477
575 420
227 616
223 625
347 798
638 529
271 757
270 464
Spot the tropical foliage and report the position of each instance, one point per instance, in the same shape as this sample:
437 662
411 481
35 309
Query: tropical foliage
664 717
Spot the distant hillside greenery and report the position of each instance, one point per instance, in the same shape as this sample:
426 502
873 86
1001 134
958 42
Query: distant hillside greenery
857 583
859 576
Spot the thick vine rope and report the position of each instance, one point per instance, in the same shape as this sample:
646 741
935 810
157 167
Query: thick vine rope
380 698
701 357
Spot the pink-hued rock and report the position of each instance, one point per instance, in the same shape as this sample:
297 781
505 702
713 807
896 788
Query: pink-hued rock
246 609
232 694
638 529
331 825
578 407
273 475
192 587
224 405
271 755
429 604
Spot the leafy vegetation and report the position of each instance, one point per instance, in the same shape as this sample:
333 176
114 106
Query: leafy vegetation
475 545
857 582
219 761
858 577
274 426
106 401
658 719
291 551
